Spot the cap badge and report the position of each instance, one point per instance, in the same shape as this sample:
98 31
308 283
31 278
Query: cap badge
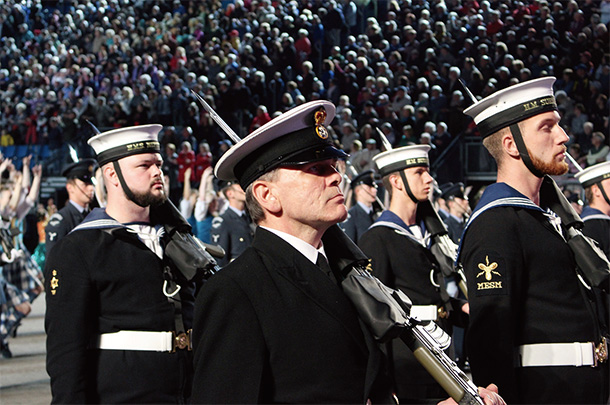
319 118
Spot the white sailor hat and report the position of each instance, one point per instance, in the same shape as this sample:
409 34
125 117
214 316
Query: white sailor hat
513 104
119 143
296 137
594 174
402 158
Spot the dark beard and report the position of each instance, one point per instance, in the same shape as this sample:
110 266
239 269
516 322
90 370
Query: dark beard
551 168
148 199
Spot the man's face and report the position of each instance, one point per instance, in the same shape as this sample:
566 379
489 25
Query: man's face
545 141
80 192
236 193
310 194
366 194
460 205
420 181
144 177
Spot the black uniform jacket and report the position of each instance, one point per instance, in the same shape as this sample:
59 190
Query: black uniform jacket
357 222
61 223
99 281
455 228
597 227
523 289
271 327
233 233
402 263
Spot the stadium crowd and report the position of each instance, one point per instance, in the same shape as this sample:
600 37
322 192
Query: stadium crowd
392 65
395 66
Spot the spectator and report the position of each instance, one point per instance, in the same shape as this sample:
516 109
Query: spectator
599 151
186 160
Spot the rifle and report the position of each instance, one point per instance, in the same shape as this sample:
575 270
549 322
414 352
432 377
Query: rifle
442 247
590 259
193 258
386 312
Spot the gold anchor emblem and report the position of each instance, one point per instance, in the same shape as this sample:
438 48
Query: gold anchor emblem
488 269
54 282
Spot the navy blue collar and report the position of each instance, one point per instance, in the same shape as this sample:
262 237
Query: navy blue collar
593 213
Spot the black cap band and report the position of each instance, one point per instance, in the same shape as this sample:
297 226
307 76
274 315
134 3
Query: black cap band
129 149
516 114
299 147
404 164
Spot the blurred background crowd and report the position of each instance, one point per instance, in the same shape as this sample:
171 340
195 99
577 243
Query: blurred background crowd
69 68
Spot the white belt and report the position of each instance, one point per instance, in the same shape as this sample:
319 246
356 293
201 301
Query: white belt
424 312
558 354
144 341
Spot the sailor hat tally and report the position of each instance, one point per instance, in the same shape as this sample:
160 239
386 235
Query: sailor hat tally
513 104
296 137
119 143
594 174
402 158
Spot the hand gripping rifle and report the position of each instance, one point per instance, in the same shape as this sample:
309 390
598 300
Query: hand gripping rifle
386 312
442 247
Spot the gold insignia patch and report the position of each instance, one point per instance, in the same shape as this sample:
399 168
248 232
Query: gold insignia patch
319 118
488 270
54 282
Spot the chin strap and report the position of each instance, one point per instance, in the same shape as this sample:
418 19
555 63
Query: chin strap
523 151
407 188
126 189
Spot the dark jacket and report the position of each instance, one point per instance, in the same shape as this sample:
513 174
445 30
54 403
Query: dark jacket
357 222
61 223
103 281
597 227
455 228
402 263
272 328
524 289
233 233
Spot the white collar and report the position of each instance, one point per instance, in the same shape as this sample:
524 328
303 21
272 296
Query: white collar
235 210
77 206
310 252
366 209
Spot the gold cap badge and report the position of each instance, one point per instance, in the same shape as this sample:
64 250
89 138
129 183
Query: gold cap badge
319 118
